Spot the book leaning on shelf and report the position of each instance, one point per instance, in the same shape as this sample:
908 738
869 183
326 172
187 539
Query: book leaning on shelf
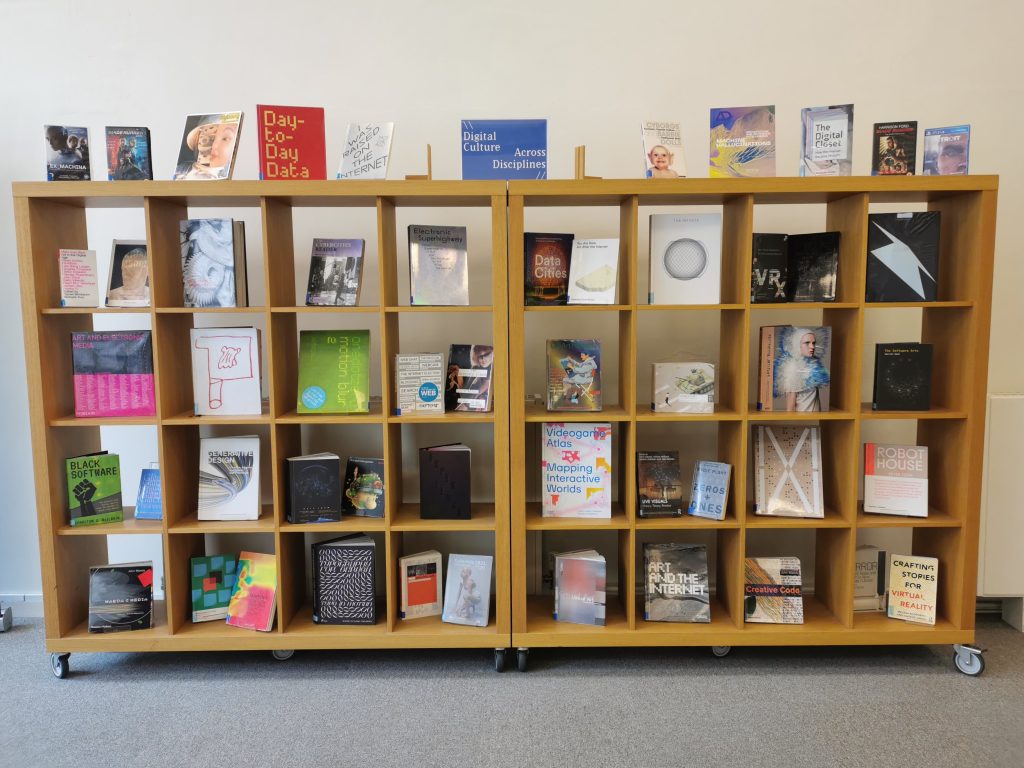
94 489
913 588
593 271
682 387
291 142
896 479
149 500
229 478
576 470
547 268
580 587
772 591
438 266
467 592
364 492
676 587
659 484
871 580
334 372
367 151
787 472
128 281
574 375
226 371
468 380
213 582
445 478
314 488
420 577
208 146
78 279
253 601
113 373
686 258
794 268
794 369
335 272
344 589
419 383
121 597
709 492
213 263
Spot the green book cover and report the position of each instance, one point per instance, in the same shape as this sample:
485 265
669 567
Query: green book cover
94 489
334 372
213 580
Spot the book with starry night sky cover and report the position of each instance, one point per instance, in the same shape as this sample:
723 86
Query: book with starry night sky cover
903 377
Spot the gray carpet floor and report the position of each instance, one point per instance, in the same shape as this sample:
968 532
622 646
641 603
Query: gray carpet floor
649 707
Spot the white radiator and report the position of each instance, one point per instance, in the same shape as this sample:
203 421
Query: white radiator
1002 507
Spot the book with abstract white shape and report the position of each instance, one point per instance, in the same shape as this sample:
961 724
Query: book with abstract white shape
438 266
78 280
686 258
913 588
870 579
467 592
896 479
226 371
367 151
213 263
229 478
787 472
576 464
683 387
593 271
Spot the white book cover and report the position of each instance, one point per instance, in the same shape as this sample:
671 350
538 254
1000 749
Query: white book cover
913 588
871 578
827 148
226 371
772 591
686 258
683 387
576 467
663 150
467 591
229 478
419 383
79 285
896 479
367 151
593 271
438 266
421 584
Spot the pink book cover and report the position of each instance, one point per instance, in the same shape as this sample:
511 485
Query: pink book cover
113 373
576 464
255 597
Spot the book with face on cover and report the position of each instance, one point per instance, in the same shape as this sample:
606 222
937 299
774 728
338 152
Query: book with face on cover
574 375
208 146
593 271
947 150
128 282
229 478
663 150
894 152
742 142
794 371
772 591
438 266
128 154
467 592
364 491
67 153
254 599
335 272
291 142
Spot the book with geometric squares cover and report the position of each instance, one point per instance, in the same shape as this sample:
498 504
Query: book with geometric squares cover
213 579
788 472
343 581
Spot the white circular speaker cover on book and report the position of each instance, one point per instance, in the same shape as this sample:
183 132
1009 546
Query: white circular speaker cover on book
686 259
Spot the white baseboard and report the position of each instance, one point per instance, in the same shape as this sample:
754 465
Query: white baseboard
24 606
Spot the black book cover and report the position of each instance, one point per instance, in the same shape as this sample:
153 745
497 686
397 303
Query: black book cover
547 268
903 377
344 587
314 485
894 152
813 264
444 482
676 587
121 597
364 487
903 256
659 484
769 273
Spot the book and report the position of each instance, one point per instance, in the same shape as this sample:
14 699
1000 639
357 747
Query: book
576 469
663 150
593 271
129 157
787 472
682 387
445 477
742 142
504 149
420 584
813 266
229 478
580 587
67 153
149 500
314 488
896 479
772 591
335 272
903 377
793 374
947 150
913 588
686 258
467 591
344 587
254 598
213 581
468 378
334 372
574 375
903 256
894 151
769 272
709 492
113 373
827 146
871 579
121 597
364 493
547 268
419 379
291 142
128 282
208 146
79 285
367 151
226 371
438 266
213 263
676 587
659 484
94 489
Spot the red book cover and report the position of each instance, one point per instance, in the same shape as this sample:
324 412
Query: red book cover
291 142
422 589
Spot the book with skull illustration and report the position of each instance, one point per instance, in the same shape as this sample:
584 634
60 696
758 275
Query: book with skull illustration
903 256
772 591
226 371
213 263
593 271
903 377
467 591
787 472
686 258
208 147
229 478
683 387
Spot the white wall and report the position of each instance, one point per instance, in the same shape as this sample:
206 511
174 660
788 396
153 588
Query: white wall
593 69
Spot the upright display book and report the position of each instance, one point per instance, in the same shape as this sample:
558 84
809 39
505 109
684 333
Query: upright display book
576 470
314 488
574 375
344 587
364 493
67 153
420 583
438 266
121 597
659 484
335 272
367 151
226 371
769 273
896 479
468 378
709 492
467 591
128 282
871 579
903 256
593 271
787 472
113 373
580 587
772 591
445 482
79 286
229 478
683 387
420 383
547 268
149 499
742 142
663 150
947 150
504 149
291 142
793 374
894 152
254 599
213 581
129 157
334 372
686 258
813 266
827 147
913 588
208 146
676 587
94 489
903 377
213 263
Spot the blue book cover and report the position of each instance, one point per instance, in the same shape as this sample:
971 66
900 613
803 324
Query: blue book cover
504 149
710 491
148 504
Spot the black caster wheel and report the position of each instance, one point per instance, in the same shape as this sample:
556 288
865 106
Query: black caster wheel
968 660
60 665
521 658
282 655
721 650
499 659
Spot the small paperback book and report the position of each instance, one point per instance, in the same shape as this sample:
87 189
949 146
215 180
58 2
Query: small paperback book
438 266
113 373
229 478
67 153
467 591
593 271
894 152
468 380
419 382
742 142
663 150
121 597
291 142
213 263
128 154
79 285
420 584
709 493
903 377
314 488
580 587
813 266
794 368
344 587
128 283
683 387
576 470
913 588
334 372
547 268
254 599
787 472
367 151
149 500
871 579
686 258
769 274
772 591
364 487
213 581
208 146
896 479
827 141
947 150
335 272
94 489
659 484
574 375
226 371
903 256
676 588
445 482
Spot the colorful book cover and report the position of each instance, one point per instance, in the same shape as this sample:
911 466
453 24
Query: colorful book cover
468 380
594 271
467 594
67 153
213 581
149 500
344 590
772 591
335 272
903 377
913 588
742 142
314 488
254 599
659 484
229 478
334 372
438 266
208 146
113 373
420 577
79 284
682 387
827 147
894 152
686 258
903 256
896 479
94 489
128 154
580 587
446 482
813 266
769 272
367 151
419 383
547 268
676 587
128 283
364 493
121 597
226 371
213 263
574 375
291 142
947 150
795 371
709 492
787 472
504 149
871 579
576 470
663 150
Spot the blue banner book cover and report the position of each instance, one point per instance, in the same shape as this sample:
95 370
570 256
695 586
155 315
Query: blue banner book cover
504 149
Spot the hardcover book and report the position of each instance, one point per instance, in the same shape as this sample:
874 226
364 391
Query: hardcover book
67 153
827 147
226 371
113 373
686 258
128 154
468 380
419 382
364 492
903 377
367 151
896 479
547 268
208 146
229 478
772 591
420 577
149 500
580 587
903 256
794 370
213 581
334 372
121 597
504 149
438 266
913 588
683 387
871 579
291 142
709 492
676 587
128 283
335 272
593 271
769 274
947 150
663 150
79 286
574 375
445 482
467 592
787 472
213 263
813 265
659 484
894 151
576 469
94 489
344 587
254 599
742 142
314 488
